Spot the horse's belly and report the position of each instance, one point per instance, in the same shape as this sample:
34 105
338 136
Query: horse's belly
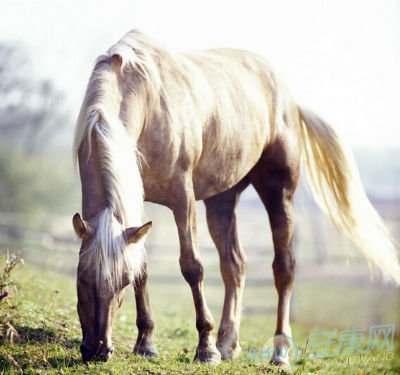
224 166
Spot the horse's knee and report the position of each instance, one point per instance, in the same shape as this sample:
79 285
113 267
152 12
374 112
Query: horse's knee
145 324
192 270
283 267
205 324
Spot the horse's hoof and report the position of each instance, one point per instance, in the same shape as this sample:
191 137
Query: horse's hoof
208 356
146 351
229 352
279 362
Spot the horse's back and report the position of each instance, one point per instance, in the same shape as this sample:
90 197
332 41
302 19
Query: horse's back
215 120
238 126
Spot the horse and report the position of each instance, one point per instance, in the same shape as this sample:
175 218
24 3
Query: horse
173 128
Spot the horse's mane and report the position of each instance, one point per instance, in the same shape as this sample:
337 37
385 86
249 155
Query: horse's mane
136 51
118 156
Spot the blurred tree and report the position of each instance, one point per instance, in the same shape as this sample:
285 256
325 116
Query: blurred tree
30 109
36 184
32 113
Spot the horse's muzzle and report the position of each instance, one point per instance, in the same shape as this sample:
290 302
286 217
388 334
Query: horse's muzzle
102 353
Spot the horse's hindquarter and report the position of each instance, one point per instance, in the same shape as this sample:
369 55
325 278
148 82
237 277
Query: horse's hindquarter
214 123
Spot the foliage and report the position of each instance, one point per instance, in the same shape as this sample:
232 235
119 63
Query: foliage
32 118
7 330
31 109
34 183
6 282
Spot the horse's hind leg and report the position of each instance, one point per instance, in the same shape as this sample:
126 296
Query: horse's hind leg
144 321
221 221
275 179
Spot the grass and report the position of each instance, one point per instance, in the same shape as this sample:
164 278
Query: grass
43 311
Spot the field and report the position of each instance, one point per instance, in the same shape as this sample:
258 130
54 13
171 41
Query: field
334 294
42 310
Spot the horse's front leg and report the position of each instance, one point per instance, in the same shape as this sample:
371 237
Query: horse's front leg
144 321
192 270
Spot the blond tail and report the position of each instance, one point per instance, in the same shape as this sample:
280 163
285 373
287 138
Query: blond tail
338 191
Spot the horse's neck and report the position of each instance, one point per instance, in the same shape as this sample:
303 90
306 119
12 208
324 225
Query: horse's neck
134 108
110 176
93 194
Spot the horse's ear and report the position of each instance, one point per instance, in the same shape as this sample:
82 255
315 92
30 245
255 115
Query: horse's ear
136 234
82 228
116 59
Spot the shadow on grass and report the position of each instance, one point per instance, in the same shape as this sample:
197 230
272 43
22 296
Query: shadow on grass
22 362
44 335
5 364
61 362
40 348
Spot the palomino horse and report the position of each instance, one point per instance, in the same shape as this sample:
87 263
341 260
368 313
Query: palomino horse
174 128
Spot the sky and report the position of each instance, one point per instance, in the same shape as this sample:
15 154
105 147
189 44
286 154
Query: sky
341 58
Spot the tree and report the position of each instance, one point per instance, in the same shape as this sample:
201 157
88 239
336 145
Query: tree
31 112
30 108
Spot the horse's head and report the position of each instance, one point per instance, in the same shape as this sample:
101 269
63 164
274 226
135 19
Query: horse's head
110 258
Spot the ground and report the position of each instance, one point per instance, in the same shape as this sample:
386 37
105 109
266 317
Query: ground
43 311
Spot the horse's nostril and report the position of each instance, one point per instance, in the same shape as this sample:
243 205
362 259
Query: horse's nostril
105 354
102 353
87 354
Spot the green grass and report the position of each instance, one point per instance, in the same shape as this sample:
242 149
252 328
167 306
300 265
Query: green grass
43 311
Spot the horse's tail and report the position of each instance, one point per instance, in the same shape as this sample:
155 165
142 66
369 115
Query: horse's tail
338 191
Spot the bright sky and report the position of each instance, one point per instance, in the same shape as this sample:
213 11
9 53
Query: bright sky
340 58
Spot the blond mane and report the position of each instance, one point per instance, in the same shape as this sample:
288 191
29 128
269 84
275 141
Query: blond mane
118 157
